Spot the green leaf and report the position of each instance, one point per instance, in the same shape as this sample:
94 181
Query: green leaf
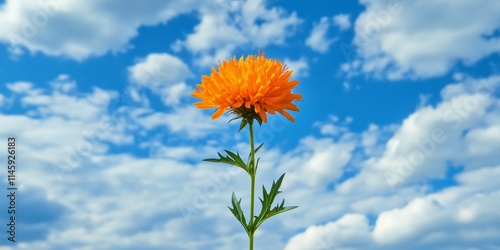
250 154
234 118
231 158
267 201
238 213
236 157
243 123
259 120
257 164
257 149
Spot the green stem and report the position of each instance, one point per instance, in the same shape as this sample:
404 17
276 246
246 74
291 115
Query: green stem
252 176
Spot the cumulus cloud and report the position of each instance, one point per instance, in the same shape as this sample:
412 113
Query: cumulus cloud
248 23
76 126
20 87
359 215
60 100
158 69
163 74
408 211
350 232
318 40
86 168
342 21
456 217
185 119
428 140
300 66
459 211
324 164
78 29
410 39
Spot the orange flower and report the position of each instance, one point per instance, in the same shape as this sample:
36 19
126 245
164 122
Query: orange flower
250 87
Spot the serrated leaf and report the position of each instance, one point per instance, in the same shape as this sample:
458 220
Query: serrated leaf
238 213
236 157
267 201
231 158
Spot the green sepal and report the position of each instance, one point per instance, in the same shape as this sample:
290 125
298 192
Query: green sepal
259 120
243 123
238 213
234 118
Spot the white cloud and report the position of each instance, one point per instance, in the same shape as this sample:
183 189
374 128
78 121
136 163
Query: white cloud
185 119
163 74
84 167
213 32
318 40
346 85
159 69
20 87
412 215
373 139
174 94
332 127
249 23
78 127
2 100
322 161
80 29
423 100
84 160
349 232
63 84
183 198
300 66
427 140
456 217
460 211
410 39
342 21
64 106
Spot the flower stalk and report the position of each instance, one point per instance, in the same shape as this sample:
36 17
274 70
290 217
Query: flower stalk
249 89
252 177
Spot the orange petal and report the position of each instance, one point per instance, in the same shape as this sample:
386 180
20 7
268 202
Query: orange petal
204 105
218 112
287 115
263 115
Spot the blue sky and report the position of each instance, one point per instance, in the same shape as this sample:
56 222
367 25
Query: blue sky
395 145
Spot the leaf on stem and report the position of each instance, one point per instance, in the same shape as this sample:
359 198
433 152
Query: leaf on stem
249 161
267 201
231 158
238 213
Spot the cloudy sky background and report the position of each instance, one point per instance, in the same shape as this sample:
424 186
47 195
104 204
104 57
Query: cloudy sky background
395 147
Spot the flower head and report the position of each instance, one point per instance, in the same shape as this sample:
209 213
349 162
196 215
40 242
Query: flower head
249 87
